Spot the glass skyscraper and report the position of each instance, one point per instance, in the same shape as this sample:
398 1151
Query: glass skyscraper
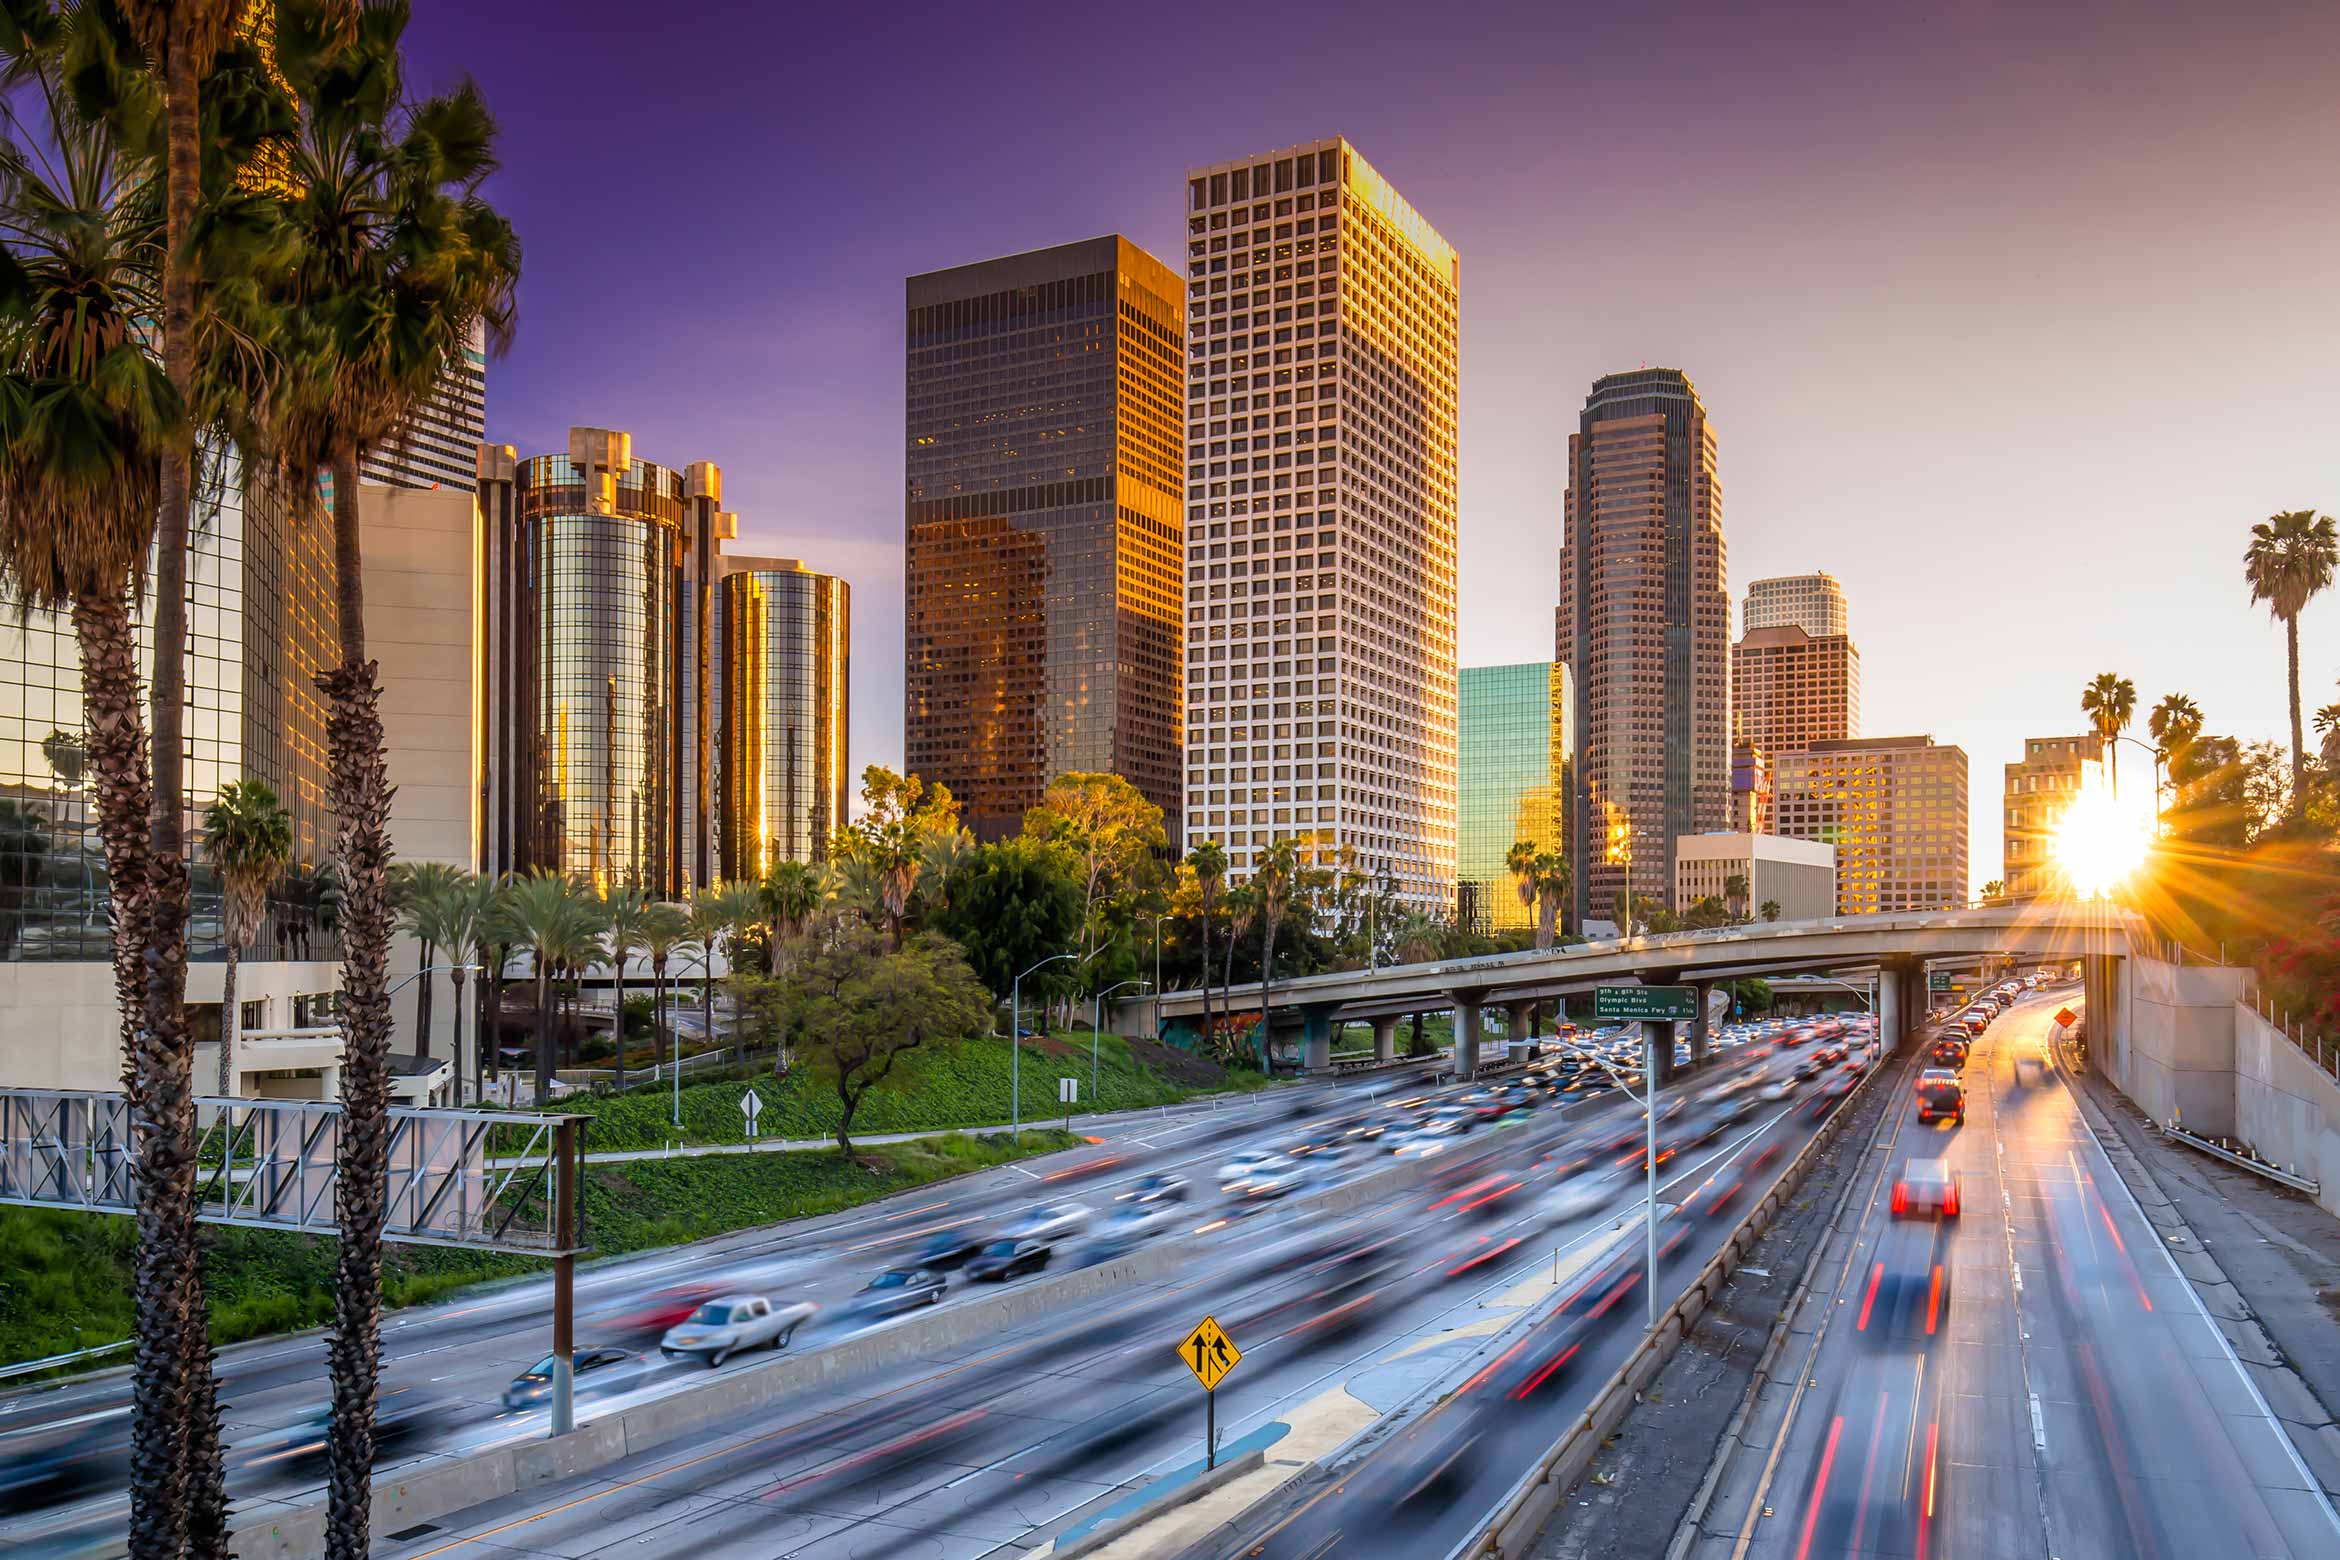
1043 530
783 633
1513 768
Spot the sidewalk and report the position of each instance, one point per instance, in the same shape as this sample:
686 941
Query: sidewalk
2273 1265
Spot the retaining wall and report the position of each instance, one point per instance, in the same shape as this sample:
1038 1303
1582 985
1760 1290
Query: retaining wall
2286 1107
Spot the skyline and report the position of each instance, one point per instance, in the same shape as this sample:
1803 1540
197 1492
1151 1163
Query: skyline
1847 306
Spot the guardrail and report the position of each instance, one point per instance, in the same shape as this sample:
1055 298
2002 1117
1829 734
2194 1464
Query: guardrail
2217 1150
1512 1530
34 1367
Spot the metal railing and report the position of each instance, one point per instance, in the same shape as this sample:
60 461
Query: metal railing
2312 1043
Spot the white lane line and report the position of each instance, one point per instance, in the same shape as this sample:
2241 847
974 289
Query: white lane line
2038 1429
2274 1426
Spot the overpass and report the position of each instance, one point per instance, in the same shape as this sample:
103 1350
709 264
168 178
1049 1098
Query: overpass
1897 948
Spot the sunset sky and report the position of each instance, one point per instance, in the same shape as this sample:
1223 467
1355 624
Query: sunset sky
2013 317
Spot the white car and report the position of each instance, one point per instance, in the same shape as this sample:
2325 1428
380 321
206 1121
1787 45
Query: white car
721 1328
1263 1175
1244 1166
1587 1192
1051 1222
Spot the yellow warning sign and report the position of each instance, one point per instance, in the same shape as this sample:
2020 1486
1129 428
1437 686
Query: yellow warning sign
1210 1353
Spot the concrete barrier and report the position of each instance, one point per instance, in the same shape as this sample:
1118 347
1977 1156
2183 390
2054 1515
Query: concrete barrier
1177 1494
433 1491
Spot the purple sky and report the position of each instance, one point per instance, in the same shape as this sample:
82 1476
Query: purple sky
2012 317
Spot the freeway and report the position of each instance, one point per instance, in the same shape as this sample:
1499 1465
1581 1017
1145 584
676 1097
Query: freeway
62 1460
1031 1434
2065 1395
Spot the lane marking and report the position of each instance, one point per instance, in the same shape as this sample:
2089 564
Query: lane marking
2038 1429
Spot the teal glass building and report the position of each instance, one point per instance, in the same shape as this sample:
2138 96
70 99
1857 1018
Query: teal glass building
1514 741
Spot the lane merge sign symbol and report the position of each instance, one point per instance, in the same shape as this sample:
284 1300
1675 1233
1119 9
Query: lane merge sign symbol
1209 1353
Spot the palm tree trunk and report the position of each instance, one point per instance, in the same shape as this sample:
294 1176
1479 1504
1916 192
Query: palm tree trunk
2298 741
619 1051
422 998
358 791
167 1277
1206 978
228 1016
707 994
456 975
657 1015
544 1032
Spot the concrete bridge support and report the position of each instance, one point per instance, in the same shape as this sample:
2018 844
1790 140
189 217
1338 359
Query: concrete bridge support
1892 1015
1466 1034
1385 1039
1316 1031
1522 1021
1657 1052
1701 1027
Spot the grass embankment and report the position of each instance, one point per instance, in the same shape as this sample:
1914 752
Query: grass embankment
966 1086
65 1279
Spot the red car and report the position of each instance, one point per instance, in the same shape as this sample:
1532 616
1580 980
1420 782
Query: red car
657 1313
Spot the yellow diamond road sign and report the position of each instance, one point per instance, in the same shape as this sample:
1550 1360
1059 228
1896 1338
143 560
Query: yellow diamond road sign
1210 1354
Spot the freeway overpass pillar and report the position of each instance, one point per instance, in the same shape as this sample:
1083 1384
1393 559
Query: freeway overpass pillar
1316 1037
1466 1034
1700 1028
1657 1051
1522 1020
1385 1039
1892 1013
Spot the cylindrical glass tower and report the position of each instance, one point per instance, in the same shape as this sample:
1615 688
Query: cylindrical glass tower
784 631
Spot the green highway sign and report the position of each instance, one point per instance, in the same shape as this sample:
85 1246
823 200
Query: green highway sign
1630 1004
1938 980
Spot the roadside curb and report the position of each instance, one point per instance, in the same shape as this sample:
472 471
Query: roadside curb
1162 1500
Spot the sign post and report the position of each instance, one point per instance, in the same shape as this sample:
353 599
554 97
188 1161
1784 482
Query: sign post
1210 1354
1068 1091
751 1105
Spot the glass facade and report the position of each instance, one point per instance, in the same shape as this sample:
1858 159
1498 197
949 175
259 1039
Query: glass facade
1514 746
782 782
1043 527
260 629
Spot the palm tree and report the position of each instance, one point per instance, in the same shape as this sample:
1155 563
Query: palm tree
621 932
545 915
792 894
247 838
1208 859
2289 562
420 890
1542 880
2328 728
469 906
1770 910
1735 893
719 918
665 931
2174 724
394 259
85 416
2108 702
1271 887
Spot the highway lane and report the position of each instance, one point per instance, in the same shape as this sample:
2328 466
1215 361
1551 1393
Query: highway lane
992 1449
2071 1398
460 1354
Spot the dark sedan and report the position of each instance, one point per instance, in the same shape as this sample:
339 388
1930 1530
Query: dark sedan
598 1368
1005 1259
950 1249
897 1290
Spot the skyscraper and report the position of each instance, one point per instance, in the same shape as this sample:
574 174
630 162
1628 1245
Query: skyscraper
1644 628
1812 602
1513 770
782 635
1321 493
1894 808
438 446
1043 529
1790 689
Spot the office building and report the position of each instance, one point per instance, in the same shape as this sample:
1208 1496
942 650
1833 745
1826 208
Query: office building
1512 769
1644 629
783 633
2040 787
1812 602
1321 493
1043 447
438 446
1746 872
598 570
1750 789
1894 808
1790 688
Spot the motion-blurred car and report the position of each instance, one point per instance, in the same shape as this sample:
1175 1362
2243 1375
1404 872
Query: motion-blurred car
1235 1172
1926 1189
654 1314
721 1328
1940 1094
1158 1188
897 1290
1588 1192
93 1450
1051 1221
590 1368
1126 1231
403 1417
950 1249
1006 1259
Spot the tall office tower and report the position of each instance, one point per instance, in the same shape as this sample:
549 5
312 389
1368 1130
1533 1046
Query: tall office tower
1644 626
1790 689
598 573
1750 788
1321 491
1041 619
782 633
439 445
2040 787
1812 602
1512 769
1894 808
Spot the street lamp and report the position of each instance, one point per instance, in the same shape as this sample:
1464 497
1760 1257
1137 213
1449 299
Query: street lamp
2158 758
1158 920
1016 1043
1097 1025
1649 1100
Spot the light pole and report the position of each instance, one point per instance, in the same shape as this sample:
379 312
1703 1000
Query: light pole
1649 1155
1158 920
2158 758
1016 1045
1097 1026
